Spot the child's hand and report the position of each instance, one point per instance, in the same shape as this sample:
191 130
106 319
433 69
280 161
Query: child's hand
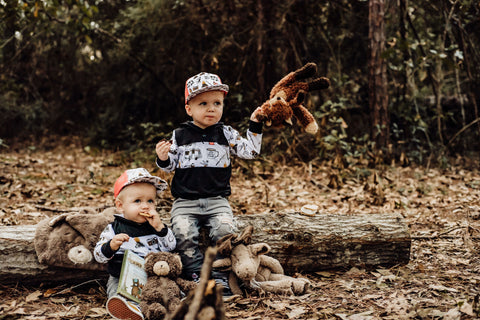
255 113
154 220
162 148
117 241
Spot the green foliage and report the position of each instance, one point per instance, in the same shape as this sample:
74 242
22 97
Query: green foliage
430 71
335 138
114 71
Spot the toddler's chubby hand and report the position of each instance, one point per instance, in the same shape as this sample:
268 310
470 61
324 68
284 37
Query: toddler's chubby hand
154 219
117 240
162 148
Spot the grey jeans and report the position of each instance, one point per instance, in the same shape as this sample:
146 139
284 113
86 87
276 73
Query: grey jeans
112 285
188 217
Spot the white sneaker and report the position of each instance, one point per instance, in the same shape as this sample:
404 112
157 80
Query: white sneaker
120 308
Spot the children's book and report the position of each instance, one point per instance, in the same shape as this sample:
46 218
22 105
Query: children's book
132 276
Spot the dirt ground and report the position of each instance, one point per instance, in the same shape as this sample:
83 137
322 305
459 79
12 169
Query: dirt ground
441 207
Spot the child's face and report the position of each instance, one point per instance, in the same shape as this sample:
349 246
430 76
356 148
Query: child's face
206 109
135 199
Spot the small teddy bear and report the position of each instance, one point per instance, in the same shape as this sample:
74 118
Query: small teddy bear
161 294
287 96
250 265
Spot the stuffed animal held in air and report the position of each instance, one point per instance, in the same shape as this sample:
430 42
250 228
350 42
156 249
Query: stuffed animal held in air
161 294
287 96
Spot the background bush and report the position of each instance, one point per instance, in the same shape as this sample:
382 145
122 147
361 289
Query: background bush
113 71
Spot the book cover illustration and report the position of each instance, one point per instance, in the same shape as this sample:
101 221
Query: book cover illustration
132 276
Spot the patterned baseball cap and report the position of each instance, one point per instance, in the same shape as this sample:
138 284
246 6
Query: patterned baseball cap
138 175
201 83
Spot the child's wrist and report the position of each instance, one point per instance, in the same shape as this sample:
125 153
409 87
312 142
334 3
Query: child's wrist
163 231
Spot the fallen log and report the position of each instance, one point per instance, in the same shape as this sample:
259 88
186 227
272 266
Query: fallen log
322 242
300 243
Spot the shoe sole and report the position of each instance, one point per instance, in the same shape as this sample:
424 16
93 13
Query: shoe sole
120 310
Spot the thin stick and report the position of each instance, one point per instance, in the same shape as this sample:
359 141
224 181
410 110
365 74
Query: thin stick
195 305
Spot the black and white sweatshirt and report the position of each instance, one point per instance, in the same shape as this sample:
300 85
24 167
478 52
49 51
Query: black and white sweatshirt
201 158
143 239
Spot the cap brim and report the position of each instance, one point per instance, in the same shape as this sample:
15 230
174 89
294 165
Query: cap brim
159 184
218 87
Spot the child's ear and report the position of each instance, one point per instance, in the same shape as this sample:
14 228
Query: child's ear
119 205
188 110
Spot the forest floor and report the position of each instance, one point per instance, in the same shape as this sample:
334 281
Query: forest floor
441 207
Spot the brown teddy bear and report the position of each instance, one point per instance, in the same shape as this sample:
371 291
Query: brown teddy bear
287 96
161 294
257 271
68 240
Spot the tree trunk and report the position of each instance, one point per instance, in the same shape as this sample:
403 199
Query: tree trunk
300 243
260 59
377 80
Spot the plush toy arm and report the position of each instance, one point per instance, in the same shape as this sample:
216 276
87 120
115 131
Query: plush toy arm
299 285
271 263
306 71
56 220
305 118
222 264
185 285
233 283
263 274
278 287
319 84
68 216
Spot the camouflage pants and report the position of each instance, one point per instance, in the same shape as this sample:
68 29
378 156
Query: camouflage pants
188 217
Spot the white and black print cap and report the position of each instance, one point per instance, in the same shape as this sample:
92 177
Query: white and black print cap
201 83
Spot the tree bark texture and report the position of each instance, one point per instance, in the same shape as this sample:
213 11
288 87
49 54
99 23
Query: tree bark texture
377 80
301 244
322 242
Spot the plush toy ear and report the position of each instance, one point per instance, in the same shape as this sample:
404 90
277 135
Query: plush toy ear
177 257
245 237
260 248
224 244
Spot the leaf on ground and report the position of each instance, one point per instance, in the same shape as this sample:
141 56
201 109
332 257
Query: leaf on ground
296 312
97 312
466 308
33 296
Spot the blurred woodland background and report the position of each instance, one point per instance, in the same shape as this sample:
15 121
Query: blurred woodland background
113 72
